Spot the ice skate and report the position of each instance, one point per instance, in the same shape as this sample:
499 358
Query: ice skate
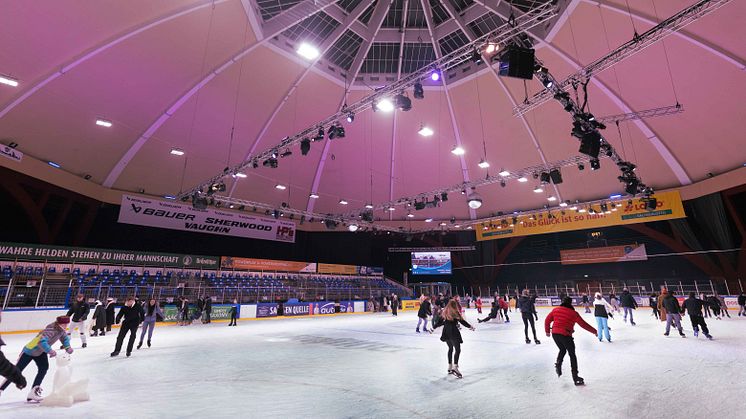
149 341
528 340
417 330
456 372
128 354
633 323
139 345
558 369
696 333
537 341
450 369
709 337
682 334
578 380
665 334
34 395
115 353
85 345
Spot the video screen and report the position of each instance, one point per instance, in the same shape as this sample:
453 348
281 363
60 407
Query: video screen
431 263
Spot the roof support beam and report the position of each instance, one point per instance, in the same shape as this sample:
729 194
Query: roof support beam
253 17
295 14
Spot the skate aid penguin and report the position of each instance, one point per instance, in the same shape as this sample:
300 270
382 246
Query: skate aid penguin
65 391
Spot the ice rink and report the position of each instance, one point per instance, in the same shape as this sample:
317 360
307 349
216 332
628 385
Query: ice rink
375 365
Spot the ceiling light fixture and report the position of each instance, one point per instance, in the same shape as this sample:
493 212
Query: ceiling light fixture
475 201
458 150
538 189
435 75
103 123
410 215
523 179
280 187
53 164
313 196
368 206
308 51
418 91
240 175
483 164
9 81
552 198
428 220
384 105
564 204
343 202
425 131
353 228
177 152
504 173
392 208
351 117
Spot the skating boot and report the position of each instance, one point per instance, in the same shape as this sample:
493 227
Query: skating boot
682 334
578 380
103 333
115 353
85 345
507 321
633 323
139 345
450 369
665 334
149 341
94 334
696 333
537 341
128 354
456 372
417 330
709 337
528 340
34 395
558 369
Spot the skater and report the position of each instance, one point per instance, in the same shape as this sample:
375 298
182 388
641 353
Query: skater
629 304
504 307
37 351
451 335
99 319
528 309
234 312
152 312
394 304
183 311
742 304
673 314
564 318
10 371
79 311
478 304
715 305
706 307
133 315
602 310
653 302
694 306
494 311
468 301
208 309
661 307
614 303
586 303
723 305
422 314
109 314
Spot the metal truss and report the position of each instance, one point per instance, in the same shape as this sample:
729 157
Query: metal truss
632 47
648 113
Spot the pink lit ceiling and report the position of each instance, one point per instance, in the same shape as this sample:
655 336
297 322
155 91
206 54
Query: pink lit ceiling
220 80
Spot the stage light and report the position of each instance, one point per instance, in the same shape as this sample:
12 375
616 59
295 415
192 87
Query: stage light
368 206
425 131
53 164
103 123
177 152
240 175
274 154
544 177
351 117
552 198
352 227
428 220
476 57
305 146
9 81
492 48
319 136
615 196
458 150
418 91
564 204
475 201
581 166
548 83
538 189
410 215
280 187
595 164
504 173
590 144
313 196
523 179
343 202
402 103
442 224
384 105
308 51
483 164
286 153
604 207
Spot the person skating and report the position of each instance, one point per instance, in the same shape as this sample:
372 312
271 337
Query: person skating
694 306
234 312
9 371
723 306
450 319
133 315
653 302
561 321
673 314
208 309
602 310
628 304
492 315
38 350
586 303
99 319
151 311
661 307
424 311
742 304
79 313
110 315
394 304
706 307
528 310
715 305
504 307
184 311
478 304
614 303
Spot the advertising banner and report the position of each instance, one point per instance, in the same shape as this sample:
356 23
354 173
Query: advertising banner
669 207
248 264
628 253
322 307
370 270
410 304
266 310
176 216
431 263
543 302
104 256
330 268
346 306
219 311
11 153
296 309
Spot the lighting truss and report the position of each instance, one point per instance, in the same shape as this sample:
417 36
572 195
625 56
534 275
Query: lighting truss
432 249
648 113
500 35
488 180
635 45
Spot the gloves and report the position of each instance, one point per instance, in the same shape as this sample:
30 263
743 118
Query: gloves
69 350
52 353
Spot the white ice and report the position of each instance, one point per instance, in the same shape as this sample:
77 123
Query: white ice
375 365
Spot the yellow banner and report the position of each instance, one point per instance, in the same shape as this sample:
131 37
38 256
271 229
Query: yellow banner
330 268
669 207
410 304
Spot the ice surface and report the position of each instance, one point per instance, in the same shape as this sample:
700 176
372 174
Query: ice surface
375 365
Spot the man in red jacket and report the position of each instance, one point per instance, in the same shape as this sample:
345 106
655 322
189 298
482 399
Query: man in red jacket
564 318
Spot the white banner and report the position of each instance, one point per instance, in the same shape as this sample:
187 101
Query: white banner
11 153
175 216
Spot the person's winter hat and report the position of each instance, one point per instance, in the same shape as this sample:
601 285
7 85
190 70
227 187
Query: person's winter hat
598 295
63 319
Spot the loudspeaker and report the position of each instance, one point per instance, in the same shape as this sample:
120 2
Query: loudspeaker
556 176
590 144
517 62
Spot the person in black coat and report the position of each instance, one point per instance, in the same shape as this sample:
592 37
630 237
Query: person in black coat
694 306
742 304
394 304
99 319
653 301
110 316
133 314
233 313
208 308
493 313
673 314
628 304
451 336
422 314
528 310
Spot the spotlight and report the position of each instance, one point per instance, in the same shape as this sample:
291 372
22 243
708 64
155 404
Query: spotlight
177 152
271 162
276 214
240 175
556 176
552 198
544 177
352 227
590 144
604 207
457 150
274 154
483 164
286 153
103 123
402 103
313 196
216 187
280 187
87 177
391 208
332 132
492 48
418 91
523 179
475 201
476 57
343 202
9 81
428 220
410 215
595 164
368 206
504 173
255 163
308 51
548 83
420 205
581 166
538 189
425 131
320 135
305 146
384 105
351 117
564 203
435 75
198 202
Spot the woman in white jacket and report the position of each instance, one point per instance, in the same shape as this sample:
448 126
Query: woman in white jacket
602 311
